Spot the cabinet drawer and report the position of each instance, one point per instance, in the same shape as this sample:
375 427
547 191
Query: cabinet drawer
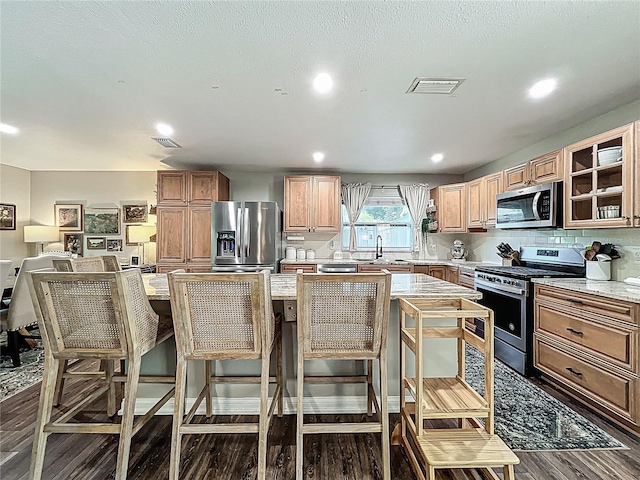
613 342
294 267
391 268
612 390
581 302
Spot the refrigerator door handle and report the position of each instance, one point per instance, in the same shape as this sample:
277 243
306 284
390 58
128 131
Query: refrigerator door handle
246 237
238 252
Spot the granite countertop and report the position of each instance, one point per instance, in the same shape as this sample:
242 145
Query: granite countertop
283 287
610 289
448 262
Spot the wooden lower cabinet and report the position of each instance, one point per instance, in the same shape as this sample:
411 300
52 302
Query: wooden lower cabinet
366 268
452 274
436 271
185 267
588 346
294 267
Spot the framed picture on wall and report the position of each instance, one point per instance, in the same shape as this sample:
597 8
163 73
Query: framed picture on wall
102 221
134 213
68 217
114 245
73 243
135 261
96 243
7 216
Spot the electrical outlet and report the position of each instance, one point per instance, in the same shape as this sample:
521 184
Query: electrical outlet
635 252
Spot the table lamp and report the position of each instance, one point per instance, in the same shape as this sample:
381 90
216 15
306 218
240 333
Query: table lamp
40 234
141 234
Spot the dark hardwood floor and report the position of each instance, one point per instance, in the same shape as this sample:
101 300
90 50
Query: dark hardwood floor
93 457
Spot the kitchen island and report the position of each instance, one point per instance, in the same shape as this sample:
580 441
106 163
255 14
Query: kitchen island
440 357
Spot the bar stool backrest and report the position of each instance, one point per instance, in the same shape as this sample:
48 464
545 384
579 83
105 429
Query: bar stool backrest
88 264
111 263
343 316
222 315
93 315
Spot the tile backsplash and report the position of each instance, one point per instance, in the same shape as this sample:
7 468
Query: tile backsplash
482 246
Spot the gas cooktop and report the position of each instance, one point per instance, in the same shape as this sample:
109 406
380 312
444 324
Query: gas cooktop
525 273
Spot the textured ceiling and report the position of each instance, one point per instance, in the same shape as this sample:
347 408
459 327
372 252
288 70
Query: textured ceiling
87 81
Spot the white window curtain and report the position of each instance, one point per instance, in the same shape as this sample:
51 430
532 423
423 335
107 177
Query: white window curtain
353 196
417 199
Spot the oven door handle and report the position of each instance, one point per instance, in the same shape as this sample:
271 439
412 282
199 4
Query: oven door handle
503 288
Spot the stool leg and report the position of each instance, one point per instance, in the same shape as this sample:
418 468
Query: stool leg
508 472
128 410
47 391
178 416
384 418
279 370
300 417
108 366
14 347
369 387
207 373
263 429
62 369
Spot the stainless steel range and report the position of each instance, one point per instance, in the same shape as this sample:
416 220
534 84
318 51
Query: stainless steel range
508 291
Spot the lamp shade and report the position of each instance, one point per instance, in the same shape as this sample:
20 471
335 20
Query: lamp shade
41 233
141 233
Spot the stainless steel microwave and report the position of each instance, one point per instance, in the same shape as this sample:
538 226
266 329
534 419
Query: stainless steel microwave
532 207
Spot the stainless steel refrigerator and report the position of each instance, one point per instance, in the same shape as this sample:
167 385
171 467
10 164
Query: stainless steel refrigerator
246 236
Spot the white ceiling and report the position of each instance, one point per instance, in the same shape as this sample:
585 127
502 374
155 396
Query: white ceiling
87 81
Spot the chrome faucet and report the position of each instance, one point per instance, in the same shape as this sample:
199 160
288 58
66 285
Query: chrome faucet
379 247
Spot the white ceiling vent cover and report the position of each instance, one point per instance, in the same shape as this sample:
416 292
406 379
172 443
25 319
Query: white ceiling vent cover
435 86
166 142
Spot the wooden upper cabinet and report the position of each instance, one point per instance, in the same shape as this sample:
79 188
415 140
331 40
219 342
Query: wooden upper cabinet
493 187
476 203
451 209
180 187
297 204
207 187
312 204
516 177
547 168
598 191
543 169
172 187
326 204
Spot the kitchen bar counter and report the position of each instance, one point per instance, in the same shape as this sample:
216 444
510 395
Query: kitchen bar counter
440 358
283 287
610 289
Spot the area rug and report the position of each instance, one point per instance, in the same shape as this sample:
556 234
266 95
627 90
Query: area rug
528 418
15 379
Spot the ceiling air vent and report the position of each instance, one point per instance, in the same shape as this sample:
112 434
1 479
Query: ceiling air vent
166 142
435 86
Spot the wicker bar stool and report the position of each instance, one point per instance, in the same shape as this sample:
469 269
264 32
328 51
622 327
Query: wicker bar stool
103 316
219 316
344 317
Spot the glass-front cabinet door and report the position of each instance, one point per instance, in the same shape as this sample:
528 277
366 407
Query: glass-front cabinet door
599 178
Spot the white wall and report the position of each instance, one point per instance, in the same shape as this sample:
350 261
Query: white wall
90 188
613 119
15 188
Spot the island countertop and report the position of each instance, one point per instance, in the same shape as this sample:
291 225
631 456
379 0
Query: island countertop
283 287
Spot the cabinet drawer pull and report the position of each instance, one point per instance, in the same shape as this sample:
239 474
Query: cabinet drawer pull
575 332
573 300
573 372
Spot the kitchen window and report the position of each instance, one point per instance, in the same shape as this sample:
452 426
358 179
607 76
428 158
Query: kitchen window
385 216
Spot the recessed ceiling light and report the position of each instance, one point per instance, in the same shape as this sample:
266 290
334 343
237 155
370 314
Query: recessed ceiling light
543 88
323 83
437 157
164 129
10 129
318 157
